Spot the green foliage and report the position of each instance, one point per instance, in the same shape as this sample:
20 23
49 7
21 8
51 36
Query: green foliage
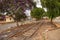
48 3
52 13
37 13
53 8
19 16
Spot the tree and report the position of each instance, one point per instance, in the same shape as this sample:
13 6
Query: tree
37 13
17 7
53 8
10 7
19 16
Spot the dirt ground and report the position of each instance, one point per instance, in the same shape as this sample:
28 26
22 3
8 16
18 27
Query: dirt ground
48 32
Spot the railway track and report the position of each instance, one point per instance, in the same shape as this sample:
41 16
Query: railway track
13 31
23 31
35 28
17 32
34 34
23 34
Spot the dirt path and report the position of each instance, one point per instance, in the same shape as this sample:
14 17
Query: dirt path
39 35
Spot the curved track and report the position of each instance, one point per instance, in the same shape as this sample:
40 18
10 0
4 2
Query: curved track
13 31
33 28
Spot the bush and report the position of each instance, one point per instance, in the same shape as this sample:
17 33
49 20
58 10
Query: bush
37 13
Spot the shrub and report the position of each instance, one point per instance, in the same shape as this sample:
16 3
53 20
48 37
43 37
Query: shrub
37 13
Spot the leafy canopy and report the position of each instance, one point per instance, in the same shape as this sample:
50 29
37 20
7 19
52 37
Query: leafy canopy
37 13
53 7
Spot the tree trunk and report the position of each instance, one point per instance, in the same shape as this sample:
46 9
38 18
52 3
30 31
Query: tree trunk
51 20
17 23
53 24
